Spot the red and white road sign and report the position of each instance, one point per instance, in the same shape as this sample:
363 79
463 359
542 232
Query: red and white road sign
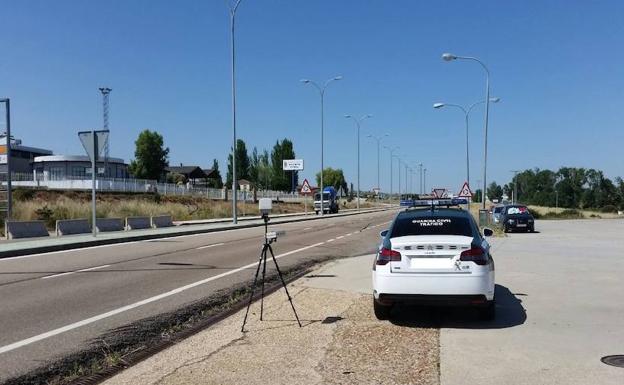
305 187
439 192
465 191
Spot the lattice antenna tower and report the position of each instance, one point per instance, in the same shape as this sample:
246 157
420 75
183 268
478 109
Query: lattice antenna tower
105 110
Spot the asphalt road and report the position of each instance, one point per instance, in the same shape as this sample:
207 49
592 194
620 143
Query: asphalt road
55 303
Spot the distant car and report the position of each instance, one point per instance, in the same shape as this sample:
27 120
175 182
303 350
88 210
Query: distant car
496 214
434 256
517 217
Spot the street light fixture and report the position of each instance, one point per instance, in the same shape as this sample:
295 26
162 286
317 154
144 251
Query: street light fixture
466 115
378 139
357 123
322 94
449 57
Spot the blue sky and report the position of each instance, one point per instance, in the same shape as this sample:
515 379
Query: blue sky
556 65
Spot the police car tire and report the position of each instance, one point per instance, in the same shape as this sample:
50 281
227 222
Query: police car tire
382 312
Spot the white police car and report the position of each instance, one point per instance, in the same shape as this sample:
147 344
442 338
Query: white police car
434 254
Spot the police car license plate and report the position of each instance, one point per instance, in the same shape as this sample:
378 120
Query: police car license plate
521 225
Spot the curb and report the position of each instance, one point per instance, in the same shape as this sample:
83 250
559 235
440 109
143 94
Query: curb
145 237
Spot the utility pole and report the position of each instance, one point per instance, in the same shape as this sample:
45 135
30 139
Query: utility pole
420 173
425 179
105 109
514 194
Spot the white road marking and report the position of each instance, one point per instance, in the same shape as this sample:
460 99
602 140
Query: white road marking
307 228
66 328
340 237
209 246
330 240
348 235
74 272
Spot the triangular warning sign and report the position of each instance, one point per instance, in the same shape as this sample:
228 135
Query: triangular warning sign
439 192
305 188
465 191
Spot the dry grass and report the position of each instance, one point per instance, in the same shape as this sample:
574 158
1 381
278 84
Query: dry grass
51 206
586 213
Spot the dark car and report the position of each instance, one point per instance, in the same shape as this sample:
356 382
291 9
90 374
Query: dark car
517 217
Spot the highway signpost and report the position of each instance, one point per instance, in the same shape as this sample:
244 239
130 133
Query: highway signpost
465 192
93 142
292 165
305 190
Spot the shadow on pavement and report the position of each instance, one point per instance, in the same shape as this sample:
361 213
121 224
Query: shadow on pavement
509 313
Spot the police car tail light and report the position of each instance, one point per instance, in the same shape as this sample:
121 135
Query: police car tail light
475 254
388 255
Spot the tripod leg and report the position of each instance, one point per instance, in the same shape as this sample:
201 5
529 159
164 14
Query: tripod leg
264 252
253 288
279 273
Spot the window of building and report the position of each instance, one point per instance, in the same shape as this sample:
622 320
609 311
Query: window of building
57 173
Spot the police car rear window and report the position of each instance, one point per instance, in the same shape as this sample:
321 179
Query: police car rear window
431 226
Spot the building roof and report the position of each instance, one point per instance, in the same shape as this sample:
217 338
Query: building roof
72 158
243 182
210 173
192 172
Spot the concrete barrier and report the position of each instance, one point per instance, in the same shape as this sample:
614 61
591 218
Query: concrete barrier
162 221
135 223
72 226
25 229
109 224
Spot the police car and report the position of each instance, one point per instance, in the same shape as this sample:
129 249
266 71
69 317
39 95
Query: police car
434 254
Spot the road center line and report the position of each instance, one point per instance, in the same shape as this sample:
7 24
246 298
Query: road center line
209 246
66 328
340 237
74 272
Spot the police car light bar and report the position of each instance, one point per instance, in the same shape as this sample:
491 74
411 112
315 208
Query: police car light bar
434 202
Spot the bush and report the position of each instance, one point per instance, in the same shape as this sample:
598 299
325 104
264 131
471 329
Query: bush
23 194
609 209
565 214
46 214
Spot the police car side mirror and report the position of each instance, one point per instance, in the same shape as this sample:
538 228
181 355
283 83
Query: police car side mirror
488 232
383 233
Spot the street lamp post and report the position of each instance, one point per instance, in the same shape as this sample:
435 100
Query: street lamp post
420 179
466 112
425 179
514 197
357 123
322 94
391 150
9 192
233 8
449 57
378 139
399 173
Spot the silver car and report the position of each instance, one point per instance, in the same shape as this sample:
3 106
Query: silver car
497 212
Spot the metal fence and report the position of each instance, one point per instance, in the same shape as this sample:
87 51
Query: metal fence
143 186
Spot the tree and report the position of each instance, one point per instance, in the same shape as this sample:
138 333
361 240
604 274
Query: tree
476 197
216 181
333 178
282 180
494 192
151 157
242 163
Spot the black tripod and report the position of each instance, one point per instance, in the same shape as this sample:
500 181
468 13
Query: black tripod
263 261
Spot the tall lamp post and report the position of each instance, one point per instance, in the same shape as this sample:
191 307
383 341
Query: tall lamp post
9 192
449 57
425 179
321 90
391 150
466 112
420 178
378 139
514 197
233 7
357 123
